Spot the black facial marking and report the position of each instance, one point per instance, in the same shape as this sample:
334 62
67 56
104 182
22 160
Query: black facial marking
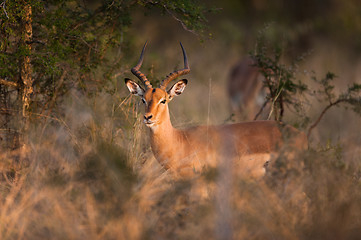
153 90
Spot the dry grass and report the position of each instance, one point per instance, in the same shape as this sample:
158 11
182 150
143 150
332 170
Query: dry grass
91 175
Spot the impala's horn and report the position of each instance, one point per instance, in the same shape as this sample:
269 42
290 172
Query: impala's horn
139 74
177 73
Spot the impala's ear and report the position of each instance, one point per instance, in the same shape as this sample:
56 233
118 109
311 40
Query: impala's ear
134 87
177 88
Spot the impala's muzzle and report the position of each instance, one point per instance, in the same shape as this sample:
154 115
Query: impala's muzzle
147 119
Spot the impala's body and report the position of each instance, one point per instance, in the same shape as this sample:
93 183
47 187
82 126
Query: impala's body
249 144
188 151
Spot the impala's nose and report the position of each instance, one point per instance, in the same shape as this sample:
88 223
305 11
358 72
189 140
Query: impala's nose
148 116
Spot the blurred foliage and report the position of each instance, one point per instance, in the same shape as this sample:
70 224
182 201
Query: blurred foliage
78 36
321 191
284 90
303 22
280 79
190 14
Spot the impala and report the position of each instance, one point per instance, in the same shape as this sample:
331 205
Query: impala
245 88
186 152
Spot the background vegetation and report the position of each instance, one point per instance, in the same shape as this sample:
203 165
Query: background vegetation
75 159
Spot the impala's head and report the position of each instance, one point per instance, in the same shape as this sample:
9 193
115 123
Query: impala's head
156 99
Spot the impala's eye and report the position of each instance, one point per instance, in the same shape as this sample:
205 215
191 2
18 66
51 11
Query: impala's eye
143 100
164 101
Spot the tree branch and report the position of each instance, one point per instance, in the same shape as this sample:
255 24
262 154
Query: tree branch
323 113
261 110
3 6
180 21
8 83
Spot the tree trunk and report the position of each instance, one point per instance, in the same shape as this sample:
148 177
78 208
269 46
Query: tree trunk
26 70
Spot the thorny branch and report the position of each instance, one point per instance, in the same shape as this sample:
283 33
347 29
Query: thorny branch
179 20
322 114
4 8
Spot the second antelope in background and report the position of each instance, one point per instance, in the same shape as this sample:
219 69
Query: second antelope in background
186 152
245 89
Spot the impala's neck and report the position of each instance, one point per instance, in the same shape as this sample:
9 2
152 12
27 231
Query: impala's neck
164 139
163 130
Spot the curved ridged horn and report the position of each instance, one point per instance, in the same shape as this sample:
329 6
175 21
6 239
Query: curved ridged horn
139 74
177 73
